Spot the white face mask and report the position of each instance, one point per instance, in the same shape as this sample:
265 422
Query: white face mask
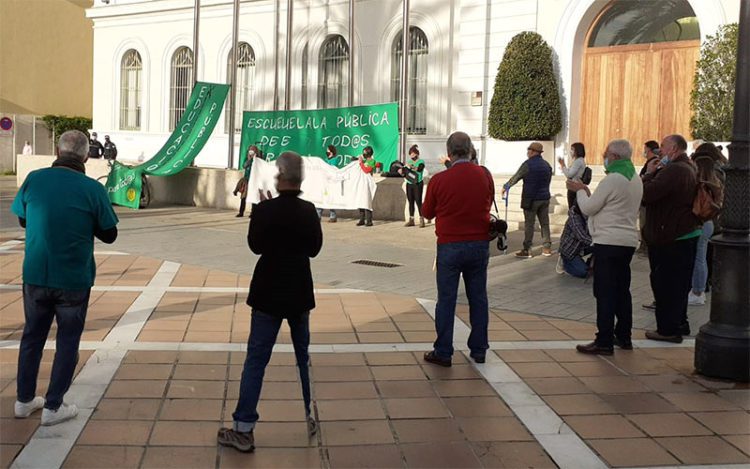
606 161
250 154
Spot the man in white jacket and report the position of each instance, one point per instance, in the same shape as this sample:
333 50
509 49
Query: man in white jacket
613 213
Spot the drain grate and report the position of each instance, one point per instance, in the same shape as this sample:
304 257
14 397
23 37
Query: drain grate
387 265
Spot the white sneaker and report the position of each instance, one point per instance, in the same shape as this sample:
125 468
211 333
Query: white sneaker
559 267
25 409
696 300
53 417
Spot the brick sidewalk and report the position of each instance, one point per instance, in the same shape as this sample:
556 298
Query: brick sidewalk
163 352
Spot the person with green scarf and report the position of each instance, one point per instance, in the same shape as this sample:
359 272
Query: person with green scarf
612 212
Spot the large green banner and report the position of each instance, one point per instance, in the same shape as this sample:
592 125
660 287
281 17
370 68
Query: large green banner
187 140
309 132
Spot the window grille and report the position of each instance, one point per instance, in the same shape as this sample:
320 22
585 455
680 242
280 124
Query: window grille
419 49
333 74
305 78
180 85
244 98
131 69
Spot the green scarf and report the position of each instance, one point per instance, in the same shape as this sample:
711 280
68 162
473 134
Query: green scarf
624 167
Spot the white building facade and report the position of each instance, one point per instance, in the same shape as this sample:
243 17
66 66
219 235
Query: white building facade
143 64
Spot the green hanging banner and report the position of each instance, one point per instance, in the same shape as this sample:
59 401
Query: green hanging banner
187 140
309 132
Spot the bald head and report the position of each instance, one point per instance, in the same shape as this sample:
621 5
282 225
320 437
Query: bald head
459 146
73 144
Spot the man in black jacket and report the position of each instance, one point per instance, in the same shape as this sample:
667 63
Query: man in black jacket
286 232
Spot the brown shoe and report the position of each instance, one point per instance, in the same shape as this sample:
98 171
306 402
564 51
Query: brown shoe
546 252
523 253
594 349
430 357
410 222
331 220
421 222
654 335
240 441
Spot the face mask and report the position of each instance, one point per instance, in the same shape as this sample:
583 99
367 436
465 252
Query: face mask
665 160
657 151
606 162
251 154
414 158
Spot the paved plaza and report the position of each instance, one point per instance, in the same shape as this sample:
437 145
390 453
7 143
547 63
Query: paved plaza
164 344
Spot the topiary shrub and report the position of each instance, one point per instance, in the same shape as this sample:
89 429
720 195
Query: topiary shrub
526 103
58 125
712 98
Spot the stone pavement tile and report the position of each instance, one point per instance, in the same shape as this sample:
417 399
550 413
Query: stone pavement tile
697 402
570 355
158 457
613 384
551 386
740 397
512 454
337 359
169 433
740 441
579 404
678 424
161 336
192 409
719 384
209 326
602 426
725 423
272 373
200 372
127 409
419 337
525 326
477 407
211 337
143 371
274 411
379 326
462 388
671 383
136 389
440 455
18 431
415 408
166 325
380 337
282 435
8 453
422 326
270 458
639 403
547 335
341 373
397 373
703 450
404 389
116 432
457 371
540 370
355 409
91 457
342 390
356 432
670 353
195 389
274 390
510 316
597 368
390 358
375 456
521 356
503 336
427 430
493 429
632 452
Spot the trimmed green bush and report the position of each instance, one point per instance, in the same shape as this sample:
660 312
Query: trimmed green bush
61 124
712 98
526 103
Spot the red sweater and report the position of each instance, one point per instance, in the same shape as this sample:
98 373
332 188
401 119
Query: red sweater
460 199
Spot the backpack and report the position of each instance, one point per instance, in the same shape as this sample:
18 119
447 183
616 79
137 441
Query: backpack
586 176
708 201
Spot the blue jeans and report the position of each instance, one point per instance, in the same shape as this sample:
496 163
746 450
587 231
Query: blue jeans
41 306
264 328
700 270
331 213
469 258
576 267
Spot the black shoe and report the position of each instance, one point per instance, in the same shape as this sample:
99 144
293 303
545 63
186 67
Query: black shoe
685 329
594 349
623 344
650 306
654 335
361 223
240 215
430 357
369 223
477 357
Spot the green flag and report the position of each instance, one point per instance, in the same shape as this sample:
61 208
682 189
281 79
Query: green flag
309 132
187 140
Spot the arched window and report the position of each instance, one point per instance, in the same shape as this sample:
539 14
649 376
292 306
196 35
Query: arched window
419 48
643 22
244 86
130 90
180 84
305 65
333 72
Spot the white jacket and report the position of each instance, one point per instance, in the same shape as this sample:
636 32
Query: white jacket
613 210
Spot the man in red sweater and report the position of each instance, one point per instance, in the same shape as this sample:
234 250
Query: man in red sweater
460 199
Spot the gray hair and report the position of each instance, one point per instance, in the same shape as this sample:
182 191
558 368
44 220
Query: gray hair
678 140
459 145
290 167
73 144
621 148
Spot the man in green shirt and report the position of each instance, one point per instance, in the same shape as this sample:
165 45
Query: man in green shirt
62 210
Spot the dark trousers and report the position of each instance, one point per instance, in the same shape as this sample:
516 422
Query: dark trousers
365 215
612 293
41 306
414 195
572 199
469 258
243 204
671 281
264 328
539 209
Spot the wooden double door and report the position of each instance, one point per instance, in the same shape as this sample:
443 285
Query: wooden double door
638 92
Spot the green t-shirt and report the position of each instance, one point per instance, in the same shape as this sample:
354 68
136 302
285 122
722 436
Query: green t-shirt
414 165
62 209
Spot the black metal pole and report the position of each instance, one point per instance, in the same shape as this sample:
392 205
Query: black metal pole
722 347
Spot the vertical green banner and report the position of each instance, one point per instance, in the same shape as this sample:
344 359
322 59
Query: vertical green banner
309 132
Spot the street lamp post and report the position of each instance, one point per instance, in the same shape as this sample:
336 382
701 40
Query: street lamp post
722 347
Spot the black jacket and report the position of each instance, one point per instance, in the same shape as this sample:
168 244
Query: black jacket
110 150
286 232
96 150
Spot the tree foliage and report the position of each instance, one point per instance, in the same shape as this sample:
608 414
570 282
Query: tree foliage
61 124
526 102
712 98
